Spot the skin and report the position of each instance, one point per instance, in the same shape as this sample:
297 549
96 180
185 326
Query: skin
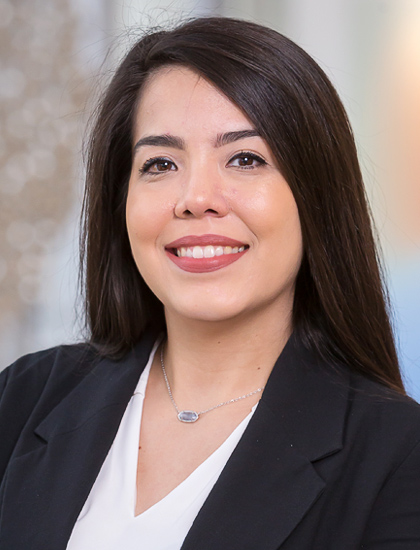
226 327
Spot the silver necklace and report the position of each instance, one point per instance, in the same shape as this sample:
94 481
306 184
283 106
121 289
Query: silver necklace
192 416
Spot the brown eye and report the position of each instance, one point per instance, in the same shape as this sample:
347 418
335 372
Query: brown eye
247 161
157 166
162 166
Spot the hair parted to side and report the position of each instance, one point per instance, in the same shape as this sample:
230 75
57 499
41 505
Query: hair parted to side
340 307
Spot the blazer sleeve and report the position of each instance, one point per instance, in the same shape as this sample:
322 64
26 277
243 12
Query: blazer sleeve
394 523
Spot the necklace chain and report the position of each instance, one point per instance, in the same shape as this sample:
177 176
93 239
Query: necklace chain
192 416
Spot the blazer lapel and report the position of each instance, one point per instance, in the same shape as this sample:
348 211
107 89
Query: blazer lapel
269 482
266 488
73 441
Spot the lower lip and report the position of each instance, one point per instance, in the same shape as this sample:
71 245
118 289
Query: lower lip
204 265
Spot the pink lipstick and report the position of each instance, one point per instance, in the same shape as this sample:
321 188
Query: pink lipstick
205 253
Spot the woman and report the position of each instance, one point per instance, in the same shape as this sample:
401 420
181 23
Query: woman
240 388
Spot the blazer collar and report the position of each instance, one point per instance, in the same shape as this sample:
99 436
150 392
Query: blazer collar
310 397
109 385
266 488
269 482
48 482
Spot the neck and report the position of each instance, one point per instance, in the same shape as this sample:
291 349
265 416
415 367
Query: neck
217 360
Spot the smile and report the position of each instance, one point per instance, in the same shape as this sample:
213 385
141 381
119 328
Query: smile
209 251
205 253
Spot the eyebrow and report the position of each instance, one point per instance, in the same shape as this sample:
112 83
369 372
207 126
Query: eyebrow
230 137
166 140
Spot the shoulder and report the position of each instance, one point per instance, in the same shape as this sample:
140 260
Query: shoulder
42 377
374 401
382 423
34 385
383 441
325 405
54 364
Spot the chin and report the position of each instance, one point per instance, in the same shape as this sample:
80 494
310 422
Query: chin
206 310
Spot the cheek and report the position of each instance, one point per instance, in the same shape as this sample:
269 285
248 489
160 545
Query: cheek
279 232
145 216
290 235
139 226
142 229
273 213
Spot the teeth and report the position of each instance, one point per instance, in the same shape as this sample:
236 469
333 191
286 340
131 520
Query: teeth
198 252
207 251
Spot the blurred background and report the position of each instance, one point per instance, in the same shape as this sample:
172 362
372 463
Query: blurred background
56 55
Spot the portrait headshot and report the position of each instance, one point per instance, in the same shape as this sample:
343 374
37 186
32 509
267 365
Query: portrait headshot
223 355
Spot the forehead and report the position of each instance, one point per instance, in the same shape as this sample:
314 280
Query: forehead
176 98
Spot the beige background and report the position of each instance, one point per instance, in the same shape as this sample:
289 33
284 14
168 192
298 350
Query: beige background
53 59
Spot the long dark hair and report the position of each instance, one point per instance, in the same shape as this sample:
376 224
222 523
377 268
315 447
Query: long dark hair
340 306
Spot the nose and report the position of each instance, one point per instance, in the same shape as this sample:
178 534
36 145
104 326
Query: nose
202 194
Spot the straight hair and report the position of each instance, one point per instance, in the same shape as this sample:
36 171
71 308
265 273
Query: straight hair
341 308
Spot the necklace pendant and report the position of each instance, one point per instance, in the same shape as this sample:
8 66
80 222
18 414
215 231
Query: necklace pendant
188 416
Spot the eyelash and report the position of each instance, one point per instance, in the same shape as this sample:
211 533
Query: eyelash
252 156
145 169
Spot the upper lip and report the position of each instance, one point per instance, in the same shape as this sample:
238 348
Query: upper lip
204 240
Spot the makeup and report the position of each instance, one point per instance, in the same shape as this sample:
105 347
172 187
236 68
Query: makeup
205 253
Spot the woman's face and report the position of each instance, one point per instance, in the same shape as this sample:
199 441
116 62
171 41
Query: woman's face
213 226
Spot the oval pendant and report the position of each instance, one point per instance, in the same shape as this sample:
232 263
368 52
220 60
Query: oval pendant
188 416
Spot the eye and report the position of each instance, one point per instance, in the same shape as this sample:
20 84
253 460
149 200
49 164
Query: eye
157 165
246 160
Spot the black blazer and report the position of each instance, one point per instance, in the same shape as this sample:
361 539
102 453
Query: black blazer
329 461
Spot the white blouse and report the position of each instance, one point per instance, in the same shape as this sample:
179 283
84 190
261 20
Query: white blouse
107 519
